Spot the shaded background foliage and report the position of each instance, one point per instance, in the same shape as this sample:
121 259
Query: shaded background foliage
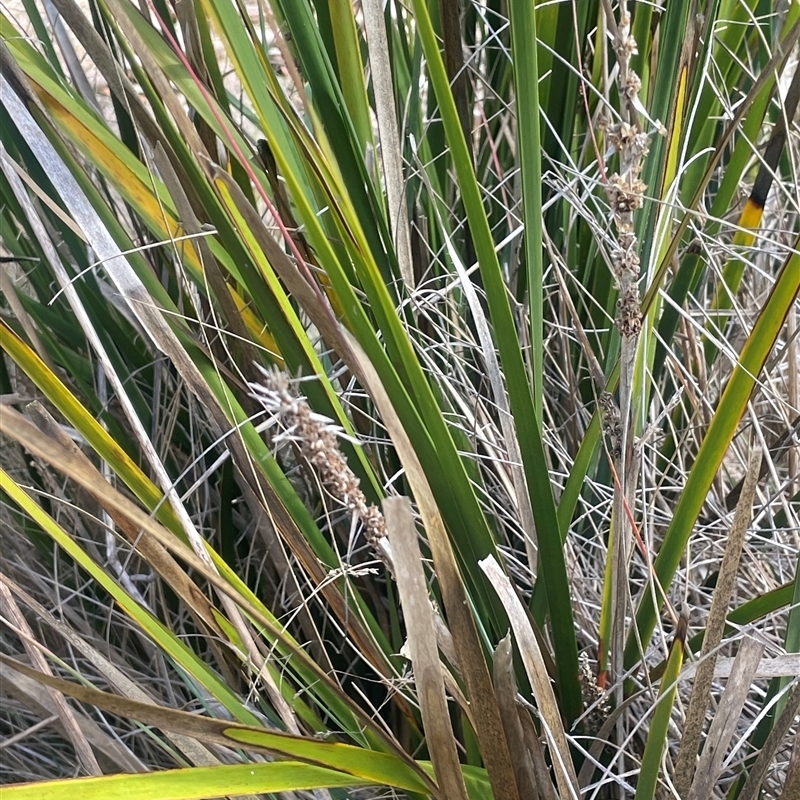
429 224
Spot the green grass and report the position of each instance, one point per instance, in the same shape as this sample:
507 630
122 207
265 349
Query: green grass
428 227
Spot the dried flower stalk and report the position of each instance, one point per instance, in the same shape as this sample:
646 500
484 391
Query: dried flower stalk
625 190
316 438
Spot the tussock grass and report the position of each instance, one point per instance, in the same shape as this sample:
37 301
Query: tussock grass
268 268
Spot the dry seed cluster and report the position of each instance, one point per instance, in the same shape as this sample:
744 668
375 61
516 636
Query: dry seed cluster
316 438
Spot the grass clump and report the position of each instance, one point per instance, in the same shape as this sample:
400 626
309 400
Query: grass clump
341 340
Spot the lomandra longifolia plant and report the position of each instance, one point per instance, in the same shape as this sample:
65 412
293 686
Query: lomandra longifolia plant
399 399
